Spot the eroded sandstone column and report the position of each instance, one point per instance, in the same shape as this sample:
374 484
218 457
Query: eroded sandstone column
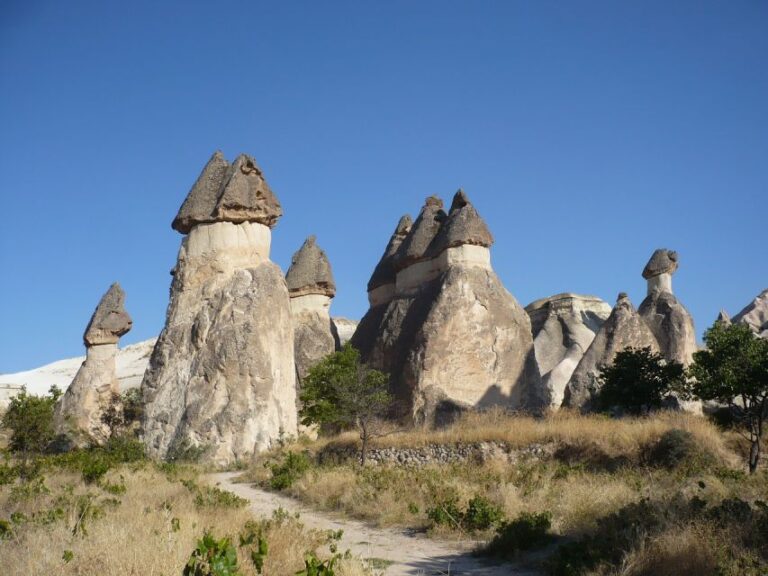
79 413
221 379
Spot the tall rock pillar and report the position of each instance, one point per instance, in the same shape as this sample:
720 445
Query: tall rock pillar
79 413
221 379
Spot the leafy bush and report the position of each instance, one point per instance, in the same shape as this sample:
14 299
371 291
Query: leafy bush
313 566
480 514
678 449
285 473
526 532
212 557
30 420
212 497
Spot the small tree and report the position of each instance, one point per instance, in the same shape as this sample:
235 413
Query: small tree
638 381
733 370
30 420
342 391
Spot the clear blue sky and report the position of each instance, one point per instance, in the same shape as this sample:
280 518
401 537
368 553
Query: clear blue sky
587 133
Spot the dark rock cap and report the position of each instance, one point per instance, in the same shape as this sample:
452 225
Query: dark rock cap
109 320
201 201
423 232
229 193
310 271
463 226
662 261
384 273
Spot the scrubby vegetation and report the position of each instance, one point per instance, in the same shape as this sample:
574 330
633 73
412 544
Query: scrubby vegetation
588 476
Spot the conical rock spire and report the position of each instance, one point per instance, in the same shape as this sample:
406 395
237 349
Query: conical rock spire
427 225
463 226
384 273
310 271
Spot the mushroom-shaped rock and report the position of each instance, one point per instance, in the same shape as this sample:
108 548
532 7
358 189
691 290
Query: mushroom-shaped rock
668 319
310 271
200 204
563 327
384 273
110 320
623 328
311 287
246 196
79 414
755 315
464 226
414 247
222 376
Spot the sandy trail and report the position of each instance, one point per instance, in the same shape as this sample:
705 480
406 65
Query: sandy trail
410 553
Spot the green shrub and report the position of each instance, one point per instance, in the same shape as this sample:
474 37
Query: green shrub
285 473
446 513
526 532
313 566
212 557
678 450
93 469
6 531
30 420
212 497
480 514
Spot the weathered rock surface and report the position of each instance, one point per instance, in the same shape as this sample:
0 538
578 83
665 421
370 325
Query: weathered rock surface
755 314
450 335
222 377
345 328
623 328
381 286
79 413
563 327
110 320
668 319
311 287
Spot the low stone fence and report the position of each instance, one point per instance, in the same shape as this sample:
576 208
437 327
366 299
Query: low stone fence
435 453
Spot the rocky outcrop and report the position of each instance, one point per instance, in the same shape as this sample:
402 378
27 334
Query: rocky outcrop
345 328
623 328
563 327
311 288
79 417
755 315
449 333
221 378
668 319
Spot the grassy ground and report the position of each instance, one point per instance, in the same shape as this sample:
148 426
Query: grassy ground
594 468
136 519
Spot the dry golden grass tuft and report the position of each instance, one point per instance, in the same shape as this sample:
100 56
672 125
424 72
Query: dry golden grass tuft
151 529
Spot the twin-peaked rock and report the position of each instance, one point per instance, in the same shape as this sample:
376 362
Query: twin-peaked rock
222 377
441 323
755 315
79 414
311 287
563 326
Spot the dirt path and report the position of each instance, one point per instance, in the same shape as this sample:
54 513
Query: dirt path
410 554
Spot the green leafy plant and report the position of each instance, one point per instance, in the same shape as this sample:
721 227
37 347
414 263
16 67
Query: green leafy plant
285 473
733 370
253 538
480 514
638 381
313 566
340 391
526 532
678 450
30 420
212 557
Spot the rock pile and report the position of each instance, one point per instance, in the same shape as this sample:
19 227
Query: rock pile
221 378
563 326
441 323
79 414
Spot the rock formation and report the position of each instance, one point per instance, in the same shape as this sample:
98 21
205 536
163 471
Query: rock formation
445 328
311 287
563 326
221 378
755 314
79 414
670 322
623 328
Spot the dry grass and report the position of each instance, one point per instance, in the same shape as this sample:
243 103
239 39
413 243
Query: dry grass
151 530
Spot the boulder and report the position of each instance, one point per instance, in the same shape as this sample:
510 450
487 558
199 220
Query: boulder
80 414
563 327
622 329
670 322
221 379
755 315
